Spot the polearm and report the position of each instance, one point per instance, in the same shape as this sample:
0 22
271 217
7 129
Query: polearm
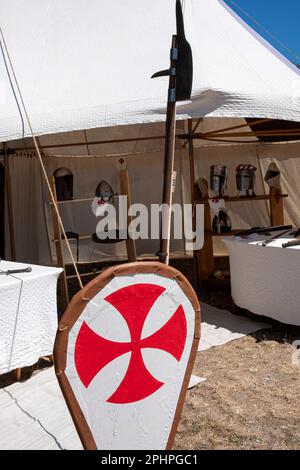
180 88
164 249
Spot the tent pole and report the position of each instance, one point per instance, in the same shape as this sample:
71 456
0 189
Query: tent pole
164 250
229 141
194 129
192 161
9 204
276 207
262 179
278 133
193 199
182 199
125 191
64 299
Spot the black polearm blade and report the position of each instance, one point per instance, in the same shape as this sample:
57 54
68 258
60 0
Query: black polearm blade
180 89
184 68
183 61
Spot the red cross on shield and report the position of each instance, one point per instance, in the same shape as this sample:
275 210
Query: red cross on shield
93 352
128 393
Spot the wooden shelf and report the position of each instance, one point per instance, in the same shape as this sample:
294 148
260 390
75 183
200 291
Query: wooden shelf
59 241
228 234
265 197
80 237
204 259
70 201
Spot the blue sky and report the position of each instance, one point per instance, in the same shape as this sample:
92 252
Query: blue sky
280 17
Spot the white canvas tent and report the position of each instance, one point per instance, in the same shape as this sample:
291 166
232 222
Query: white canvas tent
85 72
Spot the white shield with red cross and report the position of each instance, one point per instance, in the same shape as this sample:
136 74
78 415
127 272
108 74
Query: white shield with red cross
122 355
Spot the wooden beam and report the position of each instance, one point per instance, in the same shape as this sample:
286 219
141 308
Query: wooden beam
276 207
9 204
125 190
191 161
215 135
240 126
264 197
279 133
71 201
196 268
229 141
206 255
59 251
98 142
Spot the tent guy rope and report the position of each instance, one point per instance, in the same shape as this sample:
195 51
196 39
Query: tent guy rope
38 151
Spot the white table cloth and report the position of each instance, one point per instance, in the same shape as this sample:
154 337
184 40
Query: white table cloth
28 315
265 280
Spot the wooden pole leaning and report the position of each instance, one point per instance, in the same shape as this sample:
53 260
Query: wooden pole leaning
164 250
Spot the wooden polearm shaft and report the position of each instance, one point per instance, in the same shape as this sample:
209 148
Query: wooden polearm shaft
164 251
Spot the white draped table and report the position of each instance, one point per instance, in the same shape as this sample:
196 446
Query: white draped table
265 280
28 315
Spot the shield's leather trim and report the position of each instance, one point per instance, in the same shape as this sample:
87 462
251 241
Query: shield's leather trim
74 311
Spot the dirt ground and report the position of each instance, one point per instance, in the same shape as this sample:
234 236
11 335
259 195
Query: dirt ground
251 397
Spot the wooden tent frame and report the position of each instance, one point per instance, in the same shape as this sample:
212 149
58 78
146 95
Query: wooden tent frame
228 135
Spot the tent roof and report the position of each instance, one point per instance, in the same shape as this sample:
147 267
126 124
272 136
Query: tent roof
86 65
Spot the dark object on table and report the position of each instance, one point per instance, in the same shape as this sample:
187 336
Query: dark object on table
295 233
15 271
291 243
245 178
63 184
218 179
278 235
263 230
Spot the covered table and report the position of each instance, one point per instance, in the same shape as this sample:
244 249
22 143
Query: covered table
28 315
265 280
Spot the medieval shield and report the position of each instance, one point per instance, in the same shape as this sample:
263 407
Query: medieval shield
124 353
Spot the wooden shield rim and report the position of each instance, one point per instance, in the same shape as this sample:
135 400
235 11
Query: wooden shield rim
75 309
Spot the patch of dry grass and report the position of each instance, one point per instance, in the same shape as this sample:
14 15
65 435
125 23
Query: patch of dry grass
250 399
